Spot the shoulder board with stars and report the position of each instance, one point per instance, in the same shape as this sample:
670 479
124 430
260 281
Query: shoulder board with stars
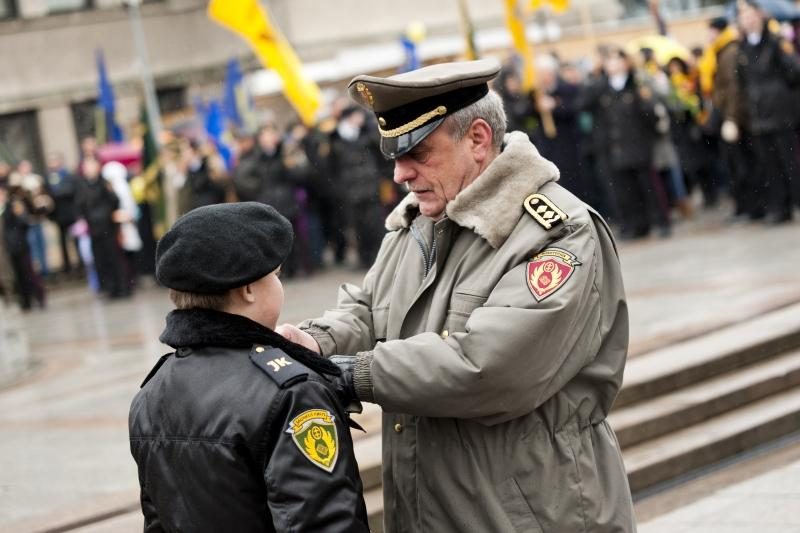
544 211
278 365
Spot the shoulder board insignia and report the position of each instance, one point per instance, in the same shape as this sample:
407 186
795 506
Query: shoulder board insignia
544 211
158 365
314 432
278 365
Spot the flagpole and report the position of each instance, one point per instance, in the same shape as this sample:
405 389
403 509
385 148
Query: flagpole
150 100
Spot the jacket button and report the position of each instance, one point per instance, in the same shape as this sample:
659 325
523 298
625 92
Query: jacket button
445 334
398 428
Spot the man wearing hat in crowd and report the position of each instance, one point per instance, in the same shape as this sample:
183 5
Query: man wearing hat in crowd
492 328
239 429
769 76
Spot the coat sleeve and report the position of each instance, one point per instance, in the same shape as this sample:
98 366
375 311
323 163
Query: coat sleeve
303 496
515 352
152 524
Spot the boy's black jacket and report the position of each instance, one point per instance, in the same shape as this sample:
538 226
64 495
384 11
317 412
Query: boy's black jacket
208 431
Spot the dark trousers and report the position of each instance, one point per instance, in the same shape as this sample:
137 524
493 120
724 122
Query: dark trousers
28 284
745 185
108 262
775 159
63 239
366 218
636 198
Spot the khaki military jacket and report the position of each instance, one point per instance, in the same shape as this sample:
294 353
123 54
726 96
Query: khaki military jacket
495 358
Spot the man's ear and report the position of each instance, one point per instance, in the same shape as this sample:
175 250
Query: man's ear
480 136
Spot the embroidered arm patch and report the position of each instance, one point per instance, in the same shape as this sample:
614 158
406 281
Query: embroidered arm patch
549 271
314 433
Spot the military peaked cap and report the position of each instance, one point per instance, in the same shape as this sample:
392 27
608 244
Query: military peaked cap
411 105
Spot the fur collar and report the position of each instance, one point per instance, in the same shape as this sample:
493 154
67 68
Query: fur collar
204 327
492 204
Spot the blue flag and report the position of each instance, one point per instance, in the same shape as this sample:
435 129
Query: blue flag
111 132
215 128
232 94
412 57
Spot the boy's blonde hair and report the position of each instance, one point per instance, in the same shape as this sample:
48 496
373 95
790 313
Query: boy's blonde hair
192 300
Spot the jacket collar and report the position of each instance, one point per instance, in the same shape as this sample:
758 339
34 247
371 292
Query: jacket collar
204 327
492 204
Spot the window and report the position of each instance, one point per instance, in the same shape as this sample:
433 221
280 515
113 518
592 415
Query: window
83 118
19 139
171 99
65 6
8 9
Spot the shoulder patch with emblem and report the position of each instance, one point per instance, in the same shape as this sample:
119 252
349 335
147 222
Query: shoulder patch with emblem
278 365
314 433
549 271
544 211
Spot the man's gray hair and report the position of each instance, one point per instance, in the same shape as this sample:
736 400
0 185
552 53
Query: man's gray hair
490 109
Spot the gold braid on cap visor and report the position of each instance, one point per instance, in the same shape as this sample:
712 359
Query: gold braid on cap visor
414 124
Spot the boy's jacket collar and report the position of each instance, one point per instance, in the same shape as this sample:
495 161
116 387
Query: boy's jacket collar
204 327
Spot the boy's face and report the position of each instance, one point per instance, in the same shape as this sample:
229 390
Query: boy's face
268 292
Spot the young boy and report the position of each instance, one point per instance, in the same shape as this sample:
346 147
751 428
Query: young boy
239 429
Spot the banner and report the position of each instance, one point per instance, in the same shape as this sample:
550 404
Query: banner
251 21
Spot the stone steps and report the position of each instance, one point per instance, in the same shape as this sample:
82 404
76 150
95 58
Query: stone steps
650 419
688 405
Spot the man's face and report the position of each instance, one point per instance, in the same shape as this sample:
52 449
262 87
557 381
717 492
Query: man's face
750 19
436 170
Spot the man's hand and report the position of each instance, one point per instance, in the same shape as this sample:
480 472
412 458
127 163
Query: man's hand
298 336
344 384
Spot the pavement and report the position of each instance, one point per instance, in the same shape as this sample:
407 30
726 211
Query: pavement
63 427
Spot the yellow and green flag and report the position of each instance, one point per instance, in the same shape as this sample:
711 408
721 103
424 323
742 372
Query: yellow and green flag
252 22
516 26
559 6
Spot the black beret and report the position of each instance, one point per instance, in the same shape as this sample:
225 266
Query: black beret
719 23
216 248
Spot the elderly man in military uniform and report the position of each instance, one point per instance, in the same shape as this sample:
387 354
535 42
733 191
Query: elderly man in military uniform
492 328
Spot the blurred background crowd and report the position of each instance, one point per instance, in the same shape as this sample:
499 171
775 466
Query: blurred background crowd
647 133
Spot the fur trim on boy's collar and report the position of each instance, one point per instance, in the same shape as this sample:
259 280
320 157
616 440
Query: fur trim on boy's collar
492 204
204 327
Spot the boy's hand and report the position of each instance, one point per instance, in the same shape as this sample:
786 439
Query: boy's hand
298 336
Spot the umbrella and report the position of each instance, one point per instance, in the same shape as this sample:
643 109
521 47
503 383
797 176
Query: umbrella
664 48
781 10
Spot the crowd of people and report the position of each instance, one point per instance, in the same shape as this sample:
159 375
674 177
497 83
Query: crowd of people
634 136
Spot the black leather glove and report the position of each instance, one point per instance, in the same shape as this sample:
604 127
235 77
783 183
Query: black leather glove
344 384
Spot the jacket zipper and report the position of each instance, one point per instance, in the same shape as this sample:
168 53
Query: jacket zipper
427 258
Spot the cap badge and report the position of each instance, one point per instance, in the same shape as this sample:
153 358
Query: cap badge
414 124
365 93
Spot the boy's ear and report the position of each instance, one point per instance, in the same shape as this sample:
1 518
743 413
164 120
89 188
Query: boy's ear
247 293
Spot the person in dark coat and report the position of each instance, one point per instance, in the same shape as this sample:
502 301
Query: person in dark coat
623 111
560 98
15 211
205 176
62 186
357 169
96 203
769 76
239 429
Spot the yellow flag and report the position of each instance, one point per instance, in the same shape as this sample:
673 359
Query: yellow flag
559 6
251 21
517 28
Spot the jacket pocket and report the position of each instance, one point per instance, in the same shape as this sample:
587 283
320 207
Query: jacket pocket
516 507
462 304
